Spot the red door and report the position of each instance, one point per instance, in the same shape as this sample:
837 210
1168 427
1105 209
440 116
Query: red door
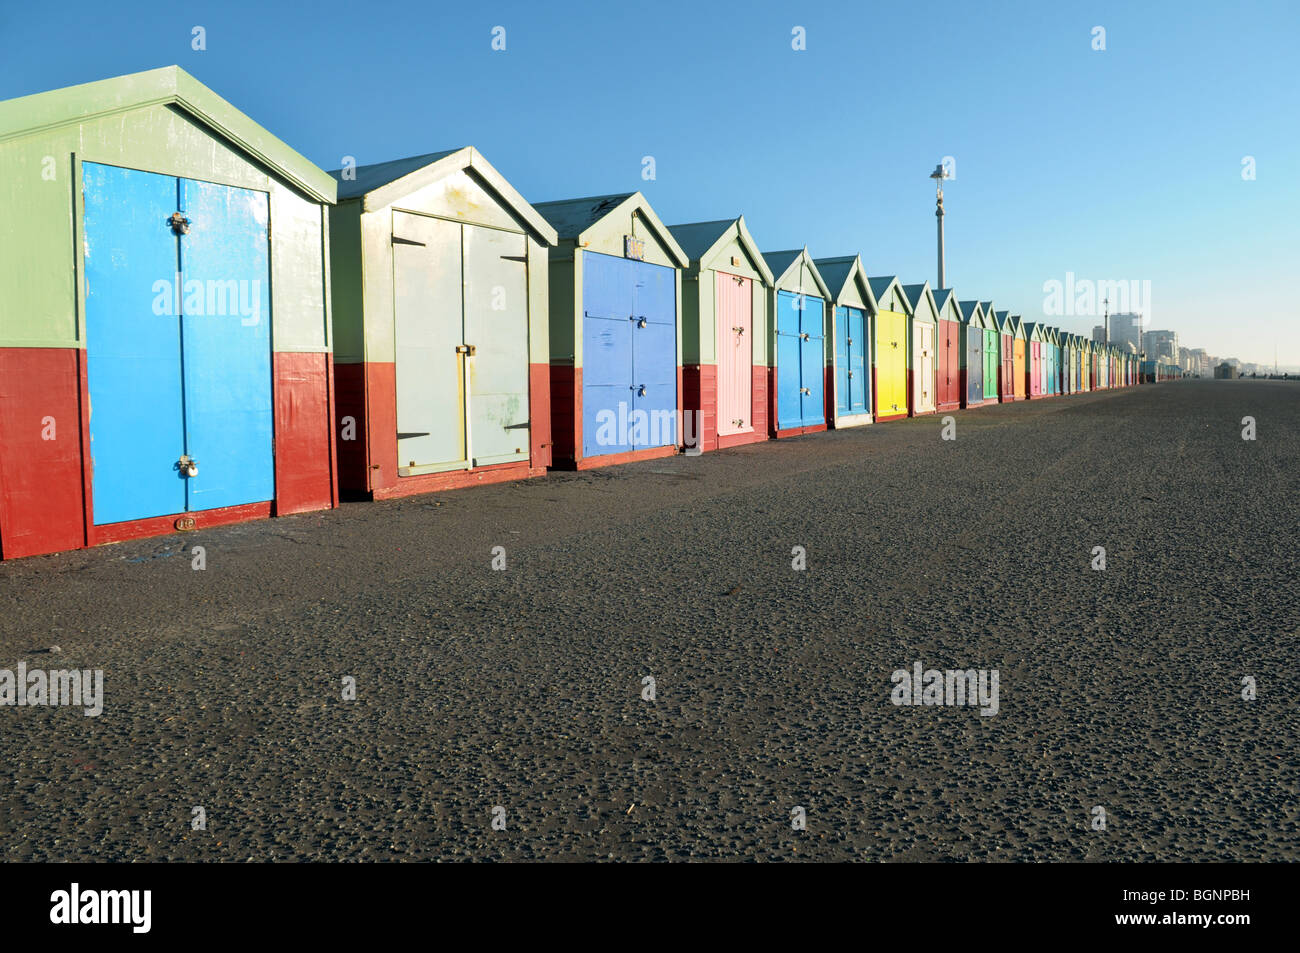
947 367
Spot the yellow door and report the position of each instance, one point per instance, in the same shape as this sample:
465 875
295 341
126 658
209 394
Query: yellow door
1019 379
891 364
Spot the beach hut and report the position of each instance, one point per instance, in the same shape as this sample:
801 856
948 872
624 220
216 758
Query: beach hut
615 331
948 359
1059 349
1085 365
992 352
1035 362
1019 356
442 363
923 334
1076 364
889 360
1006 350
1052 337
725 336
851 304
164 335
801 345
972 353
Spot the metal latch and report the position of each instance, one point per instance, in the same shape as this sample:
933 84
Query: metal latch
739 329
805 390
188 467
640 391
640 322
179 223
469 349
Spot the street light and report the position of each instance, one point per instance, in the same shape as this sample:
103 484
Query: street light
939 174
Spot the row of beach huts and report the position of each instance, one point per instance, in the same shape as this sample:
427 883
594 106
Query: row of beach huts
199 326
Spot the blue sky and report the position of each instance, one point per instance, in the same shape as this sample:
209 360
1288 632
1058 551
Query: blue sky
1115 165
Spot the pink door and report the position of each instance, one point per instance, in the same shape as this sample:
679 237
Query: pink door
735 323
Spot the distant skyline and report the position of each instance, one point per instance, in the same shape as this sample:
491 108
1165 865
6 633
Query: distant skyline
1128 164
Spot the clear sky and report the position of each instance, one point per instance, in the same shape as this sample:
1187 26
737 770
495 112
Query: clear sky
1122 164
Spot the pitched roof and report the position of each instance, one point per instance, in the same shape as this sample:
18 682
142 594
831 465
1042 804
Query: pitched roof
571 218
782 261
168 86
941 296
384 183
696 238
699 240
367 178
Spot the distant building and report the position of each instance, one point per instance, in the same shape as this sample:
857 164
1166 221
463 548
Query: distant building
1225 372
1161 346
1126 329
1099 334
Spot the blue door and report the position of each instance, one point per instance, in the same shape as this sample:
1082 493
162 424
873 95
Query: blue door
812 321
850 361
607 320
654 355
227 346
178 344
789 362
133 344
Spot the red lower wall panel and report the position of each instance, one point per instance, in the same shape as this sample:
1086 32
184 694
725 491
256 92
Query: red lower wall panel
42 502
539 413
700 404
771 402
350 427
760 422
304 458
566 394
828 394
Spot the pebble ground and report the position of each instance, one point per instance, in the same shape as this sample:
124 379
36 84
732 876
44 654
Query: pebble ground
1119 689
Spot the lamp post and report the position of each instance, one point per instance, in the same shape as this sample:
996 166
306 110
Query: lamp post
939 174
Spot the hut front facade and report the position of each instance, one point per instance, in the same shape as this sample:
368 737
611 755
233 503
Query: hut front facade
801 351
852 305
923 333
1035 366
889 366
948 362
1006 361
439 286
992 352
1020 356
165 340
972 353
725 335
615 297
